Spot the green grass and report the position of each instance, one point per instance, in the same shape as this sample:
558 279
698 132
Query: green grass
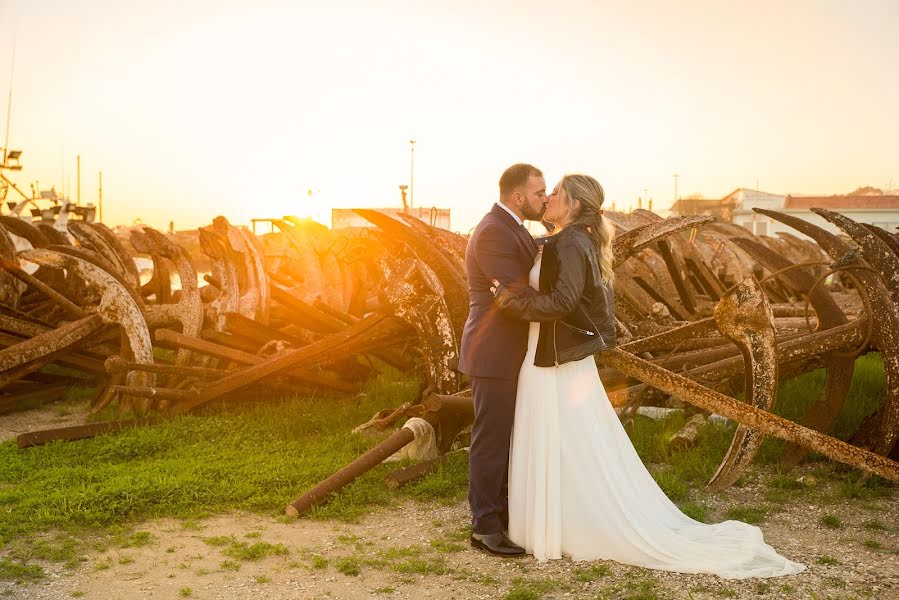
592 573
252 456
348 566
20 572
257 551
531 589
748 514
831 521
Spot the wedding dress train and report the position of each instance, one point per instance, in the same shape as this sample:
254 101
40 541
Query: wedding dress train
577 486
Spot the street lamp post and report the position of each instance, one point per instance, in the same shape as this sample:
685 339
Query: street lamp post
675 186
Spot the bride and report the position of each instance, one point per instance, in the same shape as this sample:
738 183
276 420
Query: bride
576 484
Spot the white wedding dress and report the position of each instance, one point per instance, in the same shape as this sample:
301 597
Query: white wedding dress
577 486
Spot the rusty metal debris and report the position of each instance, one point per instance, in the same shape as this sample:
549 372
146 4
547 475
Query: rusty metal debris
706 311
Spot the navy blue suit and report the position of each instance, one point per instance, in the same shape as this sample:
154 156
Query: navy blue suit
493 348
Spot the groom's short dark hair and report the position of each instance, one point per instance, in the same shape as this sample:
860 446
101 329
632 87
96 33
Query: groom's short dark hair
515 176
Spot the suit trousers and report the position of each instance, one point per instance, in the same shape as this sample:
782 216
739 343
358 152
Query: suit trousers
491 435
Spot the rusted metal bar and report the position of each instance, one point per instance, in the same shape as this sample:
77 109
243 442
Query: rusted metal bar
405 475
367 461
151 392
238 342
169 338
763 421
79 432
629 243
30 280
329 310
306 315
237 324
369 332
677 275
40 350
116 364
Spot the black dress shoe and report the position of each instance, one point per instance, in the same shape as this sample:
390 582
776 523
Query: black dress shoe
496 543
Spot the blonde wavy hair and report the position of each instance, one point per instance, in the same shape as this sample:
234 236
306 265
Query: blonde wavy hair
589 193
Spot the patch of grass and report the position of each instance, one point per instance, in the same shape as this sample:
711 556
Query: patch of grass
126 559
858 486
762 588
447 547
77 594
825 559
348 540
257 551
874 525
783 482
696 511
673 486
831 521
229 565
138 539
479 578
531 589
395 552
102 565
748 514
219 540
637 588
348 566
592 573
418 566
319 562
384 590
263 579
872 544
20 572
253 534
185 592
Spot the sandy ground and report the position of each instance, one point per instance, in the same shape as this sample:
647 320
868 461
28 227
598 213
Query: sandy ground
179 563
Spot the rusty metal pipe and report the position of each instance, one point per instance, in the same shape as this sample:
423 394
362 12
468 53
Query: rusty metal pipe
367 461
763 421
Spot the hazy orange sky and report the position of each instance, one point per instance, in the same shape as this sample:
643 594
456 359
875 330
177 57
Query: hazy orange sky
198 108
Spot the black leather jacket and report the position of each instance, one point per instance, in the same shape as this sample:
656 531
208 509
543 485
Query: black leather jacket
574 307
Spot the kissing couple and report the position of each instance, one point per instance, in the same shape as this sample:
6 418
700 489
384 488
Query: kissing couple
552 470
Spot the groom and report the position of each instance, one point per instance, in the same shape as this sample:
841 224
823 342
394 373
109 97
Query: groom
493 348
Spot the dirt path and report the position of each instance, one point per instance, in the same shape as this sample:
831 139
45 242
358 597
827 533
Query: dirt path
420 551
46 417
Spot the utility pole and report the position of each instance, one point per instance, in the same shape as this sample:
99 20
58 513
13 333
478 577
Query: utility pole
675 186
411 173
9 102
78 180
100 200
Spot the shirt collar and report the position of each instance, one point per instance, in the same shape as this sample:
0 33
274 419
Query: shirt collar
509 210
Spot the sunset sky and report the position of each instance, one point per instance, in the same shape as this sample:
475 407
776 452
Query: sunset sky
197 108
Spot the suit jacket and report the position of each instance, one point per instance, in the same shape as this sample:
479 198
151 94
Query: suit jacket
493 343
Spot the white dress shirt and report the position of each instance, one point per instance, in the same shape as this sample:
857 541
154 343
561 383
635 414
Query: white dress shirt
509 210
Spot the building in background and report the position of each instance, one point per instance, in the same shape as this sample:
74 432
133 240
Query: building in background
737 207
342 218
